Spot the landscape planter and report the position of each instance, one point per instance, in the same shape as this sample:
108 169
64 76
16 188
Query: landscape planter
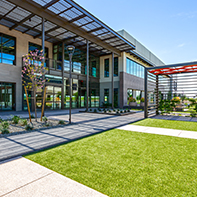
142 104
132 104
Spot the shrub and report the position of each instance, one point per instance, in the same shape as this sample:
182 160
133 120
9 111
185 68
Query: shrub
193 114
1 120
29 127
5 125
47 124
125 110
109 111
131 99
61 122
95 111
121 111
15 119
32 116
90 109
45 119
142 99
114 110
105 111
117 112
128 110
176 99
99 109
23 122
5 131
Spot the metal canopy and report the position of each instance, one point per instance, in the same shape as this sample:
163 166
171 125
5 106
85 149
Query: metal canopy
174 69
65 21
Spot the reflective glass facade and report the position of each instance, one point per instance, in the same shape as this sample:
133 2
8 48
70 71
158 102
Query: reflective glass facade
134 68
7 49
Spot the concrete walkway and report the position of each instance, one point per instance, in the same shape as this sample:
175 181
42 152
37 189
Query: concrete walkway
161 131
86 124
23 178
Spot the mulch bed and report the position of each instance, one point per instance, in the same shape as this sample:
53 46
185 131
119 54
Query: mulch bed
15 129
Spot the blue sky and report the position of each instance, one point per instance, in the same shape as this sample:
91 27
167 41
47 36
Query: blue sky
167 28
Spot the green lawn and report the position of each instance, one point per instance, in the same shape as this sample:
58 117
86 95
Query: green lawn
124 163
170 124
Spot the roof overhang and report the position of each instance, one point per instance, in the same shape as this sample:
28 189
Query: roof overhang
65 21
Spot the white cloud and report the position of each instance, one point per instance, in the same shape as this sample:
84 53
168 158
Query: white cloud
181 45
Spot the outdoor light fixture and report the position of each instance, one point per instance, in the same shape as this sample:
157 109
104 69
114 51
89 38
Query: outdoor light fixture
70 49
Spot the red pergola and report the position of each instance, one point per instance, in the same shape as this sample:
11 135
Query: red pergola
174 70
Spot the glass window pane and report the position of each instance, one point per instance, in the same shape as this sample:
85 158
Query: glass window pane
106 69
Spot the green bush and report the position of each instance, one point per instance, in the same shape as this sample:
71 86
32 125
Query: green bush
62 122
121 111
114 110
193 114
45 119
99 109
1 120
29 127
5 125
23 122
5 131
32 116
109 111
95 111
15 119
90 109
128 110
125 110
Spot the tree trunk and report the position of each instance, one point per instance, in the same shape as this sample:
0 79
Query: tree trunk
35 104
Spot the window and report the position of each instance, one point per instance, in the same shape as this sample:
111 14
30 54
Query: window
94 68
106 96
7 49
106 71
33 47
115 66
134 68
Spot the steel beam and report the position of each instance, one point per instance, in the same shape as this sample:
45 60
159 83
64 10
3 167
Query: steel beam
63 93
50 16
157 95
112 81
87 75
145 93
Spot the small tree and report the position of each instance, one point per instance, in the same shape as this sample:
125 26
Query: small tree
33 73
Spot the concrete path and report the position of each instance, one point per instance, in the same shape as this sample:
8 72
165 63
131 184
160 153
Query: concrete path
86 124
179 118
23 178
161 131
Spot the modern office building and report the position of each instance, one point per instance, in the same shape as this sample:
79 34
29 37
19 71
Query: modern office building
115 61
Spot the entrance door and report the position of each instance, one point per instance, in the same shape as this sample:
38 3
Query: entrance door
7 96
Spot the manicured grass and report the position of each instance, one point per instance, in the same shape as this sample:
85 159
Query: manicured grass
124 163
170 124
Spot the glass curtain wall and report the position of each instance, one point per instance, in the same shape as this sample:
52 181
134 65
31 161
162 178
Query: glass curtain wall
134 68
7 49
79 86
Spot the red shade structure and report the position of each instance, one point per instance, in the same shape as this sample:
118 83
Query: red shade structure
168 81
174 70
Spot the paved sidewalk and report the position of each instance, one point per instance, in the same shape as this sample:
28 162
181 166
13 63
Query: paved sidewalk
86 124
161 131
23 178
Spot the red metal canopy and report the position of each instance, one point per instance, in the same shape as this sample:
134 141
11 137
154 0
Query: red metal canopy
174 70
